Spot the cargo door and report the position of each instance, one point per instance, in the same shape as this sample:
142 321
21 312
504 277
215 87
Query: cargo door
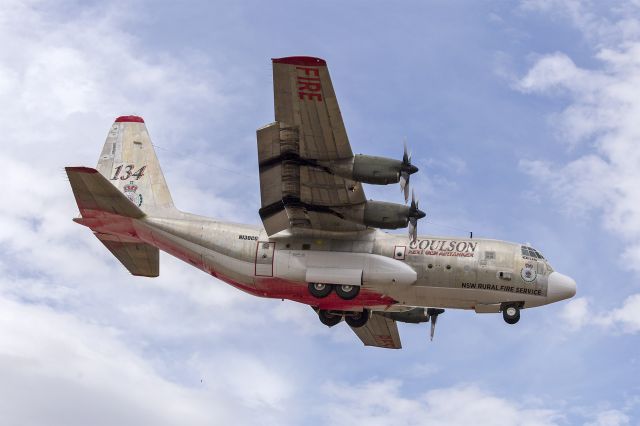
264 258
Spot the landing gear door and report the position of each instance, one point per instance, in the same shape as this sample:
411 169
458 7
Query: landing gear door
264 258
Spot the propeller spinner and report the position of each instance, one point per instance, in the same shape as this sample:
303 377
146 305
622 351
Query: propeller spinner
406 170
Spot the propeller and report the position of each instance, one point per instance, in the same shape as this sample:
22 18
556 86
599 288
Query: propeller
406 170
414 214
433 313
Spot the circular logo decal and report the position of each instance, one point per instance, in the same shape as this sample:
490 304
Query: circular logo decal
528 273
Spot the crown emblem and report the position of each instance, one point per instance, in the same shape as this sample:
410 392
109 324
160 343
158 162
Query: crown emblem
130 192
130 187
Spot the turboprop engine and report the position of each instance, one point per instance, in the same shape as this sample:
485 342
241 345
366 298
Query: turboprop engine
381 214
385 215
376 170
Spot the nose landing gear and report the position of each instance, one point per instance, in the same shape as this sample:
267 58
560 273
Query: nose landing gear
511 313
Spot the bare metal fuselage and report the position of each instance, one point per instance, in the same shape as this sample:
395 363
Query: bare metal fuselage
449 272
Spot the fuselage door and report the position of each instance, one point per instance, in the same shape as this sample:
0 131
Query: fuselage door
264 258
487 266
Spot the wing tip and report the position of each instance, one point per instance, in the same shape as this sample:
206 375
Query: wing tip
80 169
300 60
129 119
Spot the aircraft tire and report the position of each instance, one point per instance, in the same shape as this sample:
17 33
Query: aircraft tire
347 292
328 318
511 314
320 290
357 319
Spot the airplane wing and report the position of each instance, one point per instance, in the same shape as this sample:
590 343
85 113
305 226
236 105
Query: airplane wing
379 331
296 191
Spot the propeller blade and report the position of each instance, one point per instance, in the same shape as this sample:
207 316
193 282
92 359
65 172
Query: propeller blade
406 170
406 192
433 326
413 230
433 313
405 156
404 185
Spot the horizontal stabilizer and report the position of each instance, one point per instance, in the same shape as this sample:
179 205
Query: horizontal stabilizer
139 258
94 192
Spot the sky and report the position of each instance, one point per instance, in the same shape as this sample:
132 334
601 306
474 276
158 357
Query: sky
521 115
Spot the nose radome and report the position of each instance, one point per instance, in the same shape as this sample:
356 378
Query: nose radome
560 287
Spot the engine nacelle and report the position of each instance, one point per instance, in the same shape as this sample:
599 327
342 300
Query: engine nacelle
368 169
413 316
384 215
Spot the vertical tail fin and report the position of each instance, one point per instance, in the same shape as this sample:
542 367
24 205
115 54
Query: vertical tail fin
129 162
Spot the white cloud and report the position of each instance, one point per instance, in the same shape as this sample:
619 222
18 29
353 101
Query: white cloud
57 370
599 28
382 403
627 317
581 312
602 115
601 119
610 418
576 313
79 336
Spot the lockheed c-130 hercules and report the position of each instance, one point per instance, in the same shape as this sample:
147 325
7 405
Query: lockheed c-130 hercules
320 244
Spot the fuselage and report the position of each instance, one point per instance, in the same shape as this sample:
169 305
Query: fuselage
394 273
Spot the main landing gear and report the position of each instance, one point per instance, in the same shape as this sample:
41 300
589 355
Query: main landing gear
511 313
353 319
319 290
346 292
329 318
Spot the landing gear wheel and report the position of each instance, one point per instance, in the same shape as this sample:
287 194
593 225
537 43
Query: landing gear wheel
511 314
357 319
329 319
347 292
319 290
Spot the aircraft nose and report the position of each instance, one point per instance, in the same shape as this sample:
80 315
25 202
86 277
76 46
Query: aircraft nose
560 287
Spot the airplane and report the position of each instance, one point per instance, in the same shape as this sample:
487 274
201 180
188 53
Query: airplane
321 243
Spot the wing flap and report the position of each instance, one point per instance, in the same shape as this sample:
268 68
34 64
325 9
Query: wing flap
379 331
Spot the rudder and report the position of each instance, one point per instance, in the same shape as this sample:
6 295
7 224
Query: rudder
129 162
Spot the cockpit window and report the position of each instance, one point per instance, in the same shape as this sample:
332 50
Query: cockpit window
530 252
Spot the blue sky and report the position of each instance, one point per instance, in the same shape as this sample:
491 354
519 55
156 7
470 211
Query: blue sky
522 117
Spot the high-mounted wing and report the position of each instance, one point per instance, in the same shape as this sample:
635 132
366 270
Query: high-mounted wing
297 190
379 331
